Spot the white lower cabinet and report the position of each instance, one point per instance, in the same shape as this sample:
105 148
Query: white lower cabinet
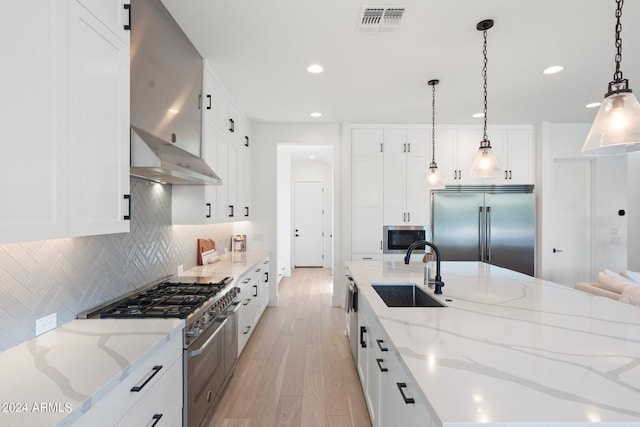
254 297
152 392
392 396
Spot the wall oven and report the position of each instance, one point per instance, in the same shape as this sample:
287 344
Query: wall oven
397 238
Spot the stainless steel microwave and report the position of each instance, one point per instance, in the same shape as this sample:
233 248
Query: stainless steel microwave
397 238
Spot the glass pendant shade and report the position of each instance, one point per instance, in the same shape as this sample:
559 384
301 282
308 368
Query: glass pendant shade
433 180
616 129
485 164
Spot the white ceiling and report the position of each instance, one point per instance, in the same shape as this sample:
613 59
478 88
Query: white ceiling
260 49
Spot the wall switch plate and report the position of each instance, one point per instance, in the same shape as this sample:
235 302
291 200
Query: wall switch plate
180 269
46 323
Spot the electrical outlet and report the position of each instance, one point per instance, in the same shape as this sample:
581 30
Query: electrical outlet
46 323
180 269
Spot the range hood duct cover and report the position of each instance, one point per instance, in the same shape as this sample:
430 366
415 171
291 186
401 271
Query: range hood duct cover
158 160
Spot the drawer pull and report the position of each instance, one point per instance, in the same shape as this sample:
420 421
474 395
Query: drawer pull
407 400
156 417
380 345
247 331
155 370
379 362
363 331
247 301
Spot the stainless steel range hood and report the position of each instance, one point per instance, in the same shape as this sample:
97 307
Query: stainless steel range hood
166 88
158 160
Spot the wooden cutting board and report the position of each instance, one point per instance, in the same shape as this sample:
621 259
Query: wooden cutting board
205 245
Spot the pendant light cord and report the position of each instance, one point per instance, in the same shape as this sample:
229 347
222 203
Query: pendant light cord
485 142
433 124
617 76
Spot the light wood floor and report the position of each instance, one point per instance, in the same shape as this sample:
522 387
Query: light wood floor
296 370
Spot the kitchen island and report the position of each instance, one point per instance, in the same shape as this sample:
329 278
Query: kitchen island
507 349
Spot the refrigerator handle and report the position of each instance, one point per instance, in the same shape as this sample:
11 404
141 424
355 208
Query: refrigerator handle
488 234
481 230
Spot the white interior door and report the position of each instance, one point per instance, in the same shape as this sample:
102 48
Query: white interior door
571 239
308 214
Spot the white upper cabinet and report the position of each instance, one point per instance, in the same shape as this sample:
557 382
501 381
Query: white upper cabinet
366 142
226 147
98 124
405 167
66 171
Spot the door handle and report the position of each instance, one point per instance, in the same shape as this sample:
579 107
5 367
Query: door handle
488 234
556 250
481 231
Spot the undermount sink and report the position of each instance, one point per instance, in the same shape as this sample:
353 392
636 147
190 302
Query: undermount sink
404 295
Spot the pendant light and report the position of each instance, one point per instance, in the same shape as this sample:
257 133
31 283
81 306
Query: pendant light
485 164
616 129
433 180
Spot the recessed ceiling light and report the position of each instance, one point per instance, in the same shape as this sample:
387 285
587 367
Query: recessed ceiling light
315 68
553 69
312 157
478 115
316 114
593 105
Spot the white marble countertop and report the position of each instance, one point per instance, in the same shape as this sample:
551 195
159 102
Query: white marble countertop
73 366
511 349
233 264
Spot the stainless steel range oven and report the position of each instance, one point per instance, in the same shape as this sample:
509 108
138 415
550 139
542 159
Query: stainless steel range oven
209 306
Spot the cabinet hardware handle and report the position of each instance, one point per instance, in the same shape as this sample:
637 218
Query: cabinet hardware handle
128 215
246 211
506 175
366 257
363 331
232 125
381 147
209 106
409 145
247 331
155 370
380 345
380 244
209 210
556 250
247 301
404 148
156 417
407 400
459 174
408 216
404 217
379 362
245 281
127 7
255 292
509 174
231 211
266 276
246 141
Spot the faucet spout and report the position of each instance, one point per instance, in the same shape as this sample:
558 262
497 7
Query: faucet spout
418 243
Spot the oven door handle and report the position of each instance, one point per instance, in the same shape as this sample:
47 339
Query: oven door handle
236 307
199 350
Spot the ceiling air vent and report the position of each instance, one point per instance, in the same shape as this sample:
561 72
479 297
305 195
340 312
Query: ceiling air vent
380 19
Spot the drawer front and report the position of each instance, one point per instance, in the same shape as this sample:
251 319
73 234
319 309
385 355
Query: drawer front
119 400
161 403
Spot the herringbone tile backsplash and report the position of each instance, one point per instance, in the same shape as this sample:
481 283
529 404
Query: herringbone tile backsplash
68 276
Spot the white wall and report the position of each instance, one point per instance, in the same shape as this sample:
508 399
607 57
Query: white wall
318 170
266 138
608 190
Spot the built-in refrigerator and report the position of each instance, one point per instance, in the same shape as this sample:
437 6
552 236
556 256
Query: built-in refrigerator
493 224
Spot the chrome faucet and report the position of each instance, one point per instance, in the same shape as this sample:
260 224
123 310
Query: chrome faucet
438 282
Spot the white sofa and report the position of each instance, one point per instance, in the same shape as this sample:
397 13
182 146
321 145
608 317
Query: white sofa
624 287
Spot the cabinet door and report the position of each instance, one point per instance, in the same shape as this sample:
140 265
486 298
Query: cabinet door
394 142
33 175
366 142
467 147
247 183
418 143
446 155
222 169
520 155
395 212
366 182
112 14
98 126
232 183
417 194
366 230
